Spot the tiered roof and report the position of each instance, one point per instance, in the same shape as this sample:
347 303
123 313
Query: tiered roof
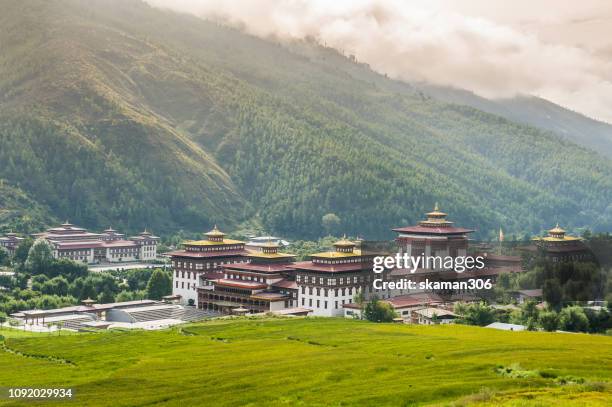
215 245
557 234
270 252
213 238
435 224
344 258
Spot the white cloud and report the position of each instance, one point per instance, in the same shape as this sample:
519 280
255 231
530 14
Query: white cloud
495 49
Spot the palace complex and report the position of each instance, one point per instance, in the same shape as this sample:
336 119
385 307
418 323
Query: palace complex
78 244
221 274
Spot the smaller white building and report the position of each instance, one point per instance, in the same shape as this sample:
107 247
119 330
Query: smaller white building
433 316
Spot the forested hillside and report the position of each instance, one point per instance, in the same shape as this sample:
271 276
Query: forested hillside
536 112
116 112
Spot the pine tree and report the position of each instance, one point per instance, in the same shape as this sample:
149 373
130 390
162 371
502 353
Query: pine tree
40 257
160 284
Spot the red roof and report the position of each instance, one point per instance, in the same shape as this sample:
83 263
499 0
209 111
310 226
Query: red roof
211 275
252 285
286 284
259 267
450 274
487 271
78 245
423 230
328 268
211 254
121 243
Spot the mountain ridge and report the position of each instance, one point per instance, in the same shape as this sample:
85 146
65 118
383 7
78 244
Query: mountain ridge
537 112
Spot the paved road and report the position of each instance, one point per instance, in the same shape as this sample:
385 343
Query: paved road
125 266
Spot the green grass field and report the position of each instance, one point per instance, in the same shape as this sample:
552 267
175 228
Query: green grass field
313 362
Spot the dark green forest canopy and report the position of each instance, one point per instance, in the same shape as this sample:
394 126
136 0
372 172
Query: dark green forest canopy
114 112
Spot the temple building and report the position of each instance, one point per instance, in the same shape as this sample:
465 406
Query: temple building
558 246
78 244
263 283
201 261
438 237
10 242
332 279
434 236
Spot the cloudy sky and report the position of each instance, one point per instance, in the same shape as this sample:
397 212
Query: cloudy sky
559 50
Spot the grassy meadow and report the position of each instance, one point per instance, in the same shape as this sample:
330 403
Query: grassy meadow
313 361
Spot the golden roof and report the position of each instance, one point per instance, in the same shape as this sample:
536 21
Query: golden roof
344 242
338 255
215 232
211 243
263 255
270 243
558 239
436 212
556 230
557 234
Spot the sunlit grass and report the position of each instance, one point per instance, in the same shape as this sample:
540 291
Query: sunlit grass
314 361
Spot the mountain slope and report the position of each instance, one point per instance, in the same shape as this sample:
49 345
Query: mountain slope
197 123
75 141
536 112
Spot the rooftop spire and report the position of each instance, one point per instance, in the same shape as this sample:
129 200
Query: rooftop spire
215 235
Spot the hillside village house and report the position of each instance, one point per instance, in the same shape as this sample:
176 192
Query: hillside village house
10 242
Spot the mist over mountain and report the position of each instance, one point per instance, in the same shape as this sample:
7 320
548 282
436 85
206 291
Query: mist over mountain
532 47
118 113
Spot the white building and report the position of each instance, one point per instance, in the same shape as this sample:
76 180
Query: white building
78 244
331 279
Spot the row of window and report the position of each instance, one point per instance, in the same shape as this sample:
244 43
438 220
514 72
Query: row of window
176 285
335 291
331 281
245 278
200 266
214 248
343 261
325 303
